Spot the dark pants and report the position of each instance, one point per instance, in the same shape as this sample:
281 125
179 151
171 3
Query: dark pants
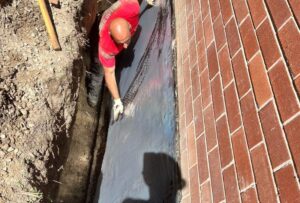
94 80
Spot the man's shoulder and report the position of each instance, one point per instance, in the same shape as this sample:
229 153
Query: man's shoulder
131 1
124 8
107 45
119 5
108 13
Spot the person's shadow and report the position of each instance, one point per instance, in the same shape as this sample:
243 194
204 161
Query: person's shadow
163 177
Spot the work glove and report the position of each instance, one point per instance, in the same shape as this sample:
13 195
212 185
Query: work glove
117 109
151 2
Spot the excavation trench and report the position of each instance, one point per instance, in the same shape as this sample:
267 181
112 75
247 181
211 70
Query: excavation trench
133 159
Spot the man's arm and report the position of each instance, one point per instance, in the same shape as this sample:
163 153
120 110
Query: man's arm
110 79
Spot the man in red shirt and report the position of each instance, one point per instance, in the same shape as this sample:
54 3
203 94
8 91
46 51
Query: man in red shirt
118 24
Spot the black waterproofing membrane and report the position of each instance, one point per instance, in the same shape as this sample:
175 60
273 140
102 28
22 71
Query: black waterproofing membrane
139 161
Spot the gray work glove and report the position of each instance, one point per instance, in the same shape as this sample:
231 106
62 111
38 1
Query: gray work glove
118 109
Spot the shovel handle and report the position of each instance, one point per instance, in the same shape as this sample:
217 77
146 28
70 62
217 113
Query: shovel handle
49 25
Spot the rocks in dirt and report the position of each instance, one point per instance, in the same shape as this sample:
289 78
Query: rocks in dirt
2 136
5 147
24 112
1 154
16 151
8 160
39 164
10 149
7 73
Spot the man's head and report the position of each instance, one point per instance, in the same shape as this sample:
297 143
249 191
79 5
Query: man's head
119 29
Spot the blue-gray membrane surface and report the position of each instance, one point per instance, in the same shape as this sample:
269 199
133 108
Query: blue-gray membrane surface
139 162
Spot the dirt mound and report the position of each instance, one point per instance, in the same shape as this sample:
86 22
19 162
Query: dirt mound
38 93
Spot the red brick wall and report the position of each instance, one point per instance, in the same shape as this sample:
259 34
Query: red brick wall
238 93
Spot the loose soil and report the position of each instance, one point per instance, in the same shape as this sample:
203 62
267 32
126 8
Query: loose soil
38 94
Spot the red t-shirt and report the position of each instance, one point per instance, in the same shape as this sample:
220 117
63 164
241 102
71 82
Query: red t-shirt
107 48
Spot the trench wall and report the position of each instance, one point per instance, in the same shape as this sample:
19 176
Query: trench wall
238 88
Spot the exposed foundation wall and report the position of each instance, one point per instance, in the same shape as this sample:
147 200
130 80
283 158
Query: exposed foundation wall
238 88
89 12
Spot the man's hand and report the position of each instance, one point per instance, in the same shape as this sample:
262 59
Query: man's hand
117 109
151 2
